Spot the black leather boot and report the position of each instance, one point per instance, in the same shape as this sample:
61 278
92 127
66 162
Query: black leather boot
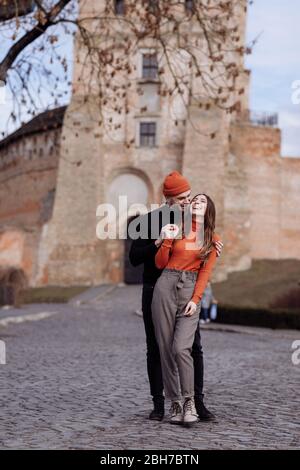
203 413
158 412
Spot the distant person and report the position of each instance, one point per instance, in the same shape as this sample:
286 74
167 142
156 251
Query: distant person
208 303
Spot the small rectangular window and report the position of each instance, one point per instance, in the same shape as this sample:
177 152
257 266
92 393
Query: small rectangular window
119 7
153 6
190 6
147 134
150 66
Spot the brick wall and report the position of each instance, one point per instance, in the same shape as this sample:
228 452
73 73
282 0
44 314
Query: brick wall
28 173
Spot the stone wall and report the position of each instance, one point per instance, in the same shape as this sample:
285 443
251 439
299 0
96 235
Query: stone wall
273 184
28 175
204 161
28 170
289 242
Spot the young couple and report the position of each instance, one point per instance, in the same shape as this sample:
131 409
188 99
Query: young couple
176 271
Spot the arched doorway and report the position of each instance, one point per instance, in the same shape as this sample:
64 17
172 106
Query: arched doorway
12 283
135 186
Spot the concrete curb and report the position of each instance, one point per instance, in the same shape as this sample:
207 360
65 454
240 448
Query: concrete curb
92 295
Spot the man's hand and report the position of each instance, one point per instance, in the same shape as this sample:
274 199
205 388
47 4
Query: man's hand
190 309
169 231
219 247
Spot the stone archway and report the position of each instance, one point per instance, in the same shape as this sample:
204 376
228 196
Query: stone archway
137 188
13 281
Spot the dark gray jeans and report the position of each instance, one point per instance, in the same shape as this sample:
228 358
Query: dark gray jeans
174 331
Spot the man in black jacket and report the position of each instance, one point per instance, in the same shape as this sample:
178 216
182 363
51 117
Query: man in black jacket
143 250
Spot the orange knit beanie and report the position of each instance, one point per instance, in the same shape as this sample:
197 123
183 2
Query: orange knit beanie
175 184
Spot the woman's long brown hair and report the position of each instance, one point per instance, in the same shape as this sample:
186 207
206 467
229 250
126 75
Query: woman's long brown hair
209 227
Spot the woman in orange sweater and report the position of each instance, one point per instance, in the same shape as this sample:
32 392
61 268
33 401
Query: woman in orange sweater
187 262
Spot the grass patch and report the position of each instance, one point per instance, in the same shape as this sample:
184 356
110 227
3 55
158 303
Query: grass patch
262 286
50 294
266 295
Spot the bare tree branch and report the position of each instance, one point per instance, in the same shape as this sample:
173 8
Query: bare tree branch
45 22
208 37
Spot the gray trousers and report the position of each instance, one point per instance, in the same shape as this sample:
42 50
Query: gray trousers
174 331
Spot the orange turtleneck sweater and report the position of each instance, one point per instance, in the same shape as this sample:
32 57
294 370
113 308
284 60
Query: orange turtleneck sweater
175 254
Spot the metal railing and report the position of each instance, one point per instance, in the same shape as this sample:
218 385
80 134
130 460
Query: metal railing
259 118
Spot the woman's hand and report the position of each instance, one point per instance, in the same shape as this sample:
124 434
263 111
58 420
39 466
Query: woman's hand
169 231
219 247
190 309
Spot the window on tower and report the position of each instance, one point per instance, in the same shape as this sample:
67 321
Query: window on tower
189 6
147 134
153 6
119 7
150 66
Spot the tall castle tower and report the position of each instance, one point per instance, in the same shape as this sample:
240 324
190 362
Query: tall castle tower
96 164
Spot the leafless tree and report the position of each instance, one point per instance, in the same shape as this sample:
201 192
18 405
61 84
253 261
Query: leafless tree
205 35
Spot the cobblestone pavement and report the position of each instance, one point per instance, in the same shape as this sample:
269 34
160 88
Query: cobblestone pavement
76 379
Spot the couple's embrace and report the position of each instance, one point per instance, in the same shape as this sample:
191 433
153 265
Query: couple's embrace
177 266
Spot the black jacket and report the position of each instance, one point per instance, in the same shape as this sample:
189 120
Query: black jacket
143 251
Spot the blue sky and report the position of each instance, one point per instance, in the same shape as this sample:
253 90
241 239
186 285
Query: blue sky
274 65
43 98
